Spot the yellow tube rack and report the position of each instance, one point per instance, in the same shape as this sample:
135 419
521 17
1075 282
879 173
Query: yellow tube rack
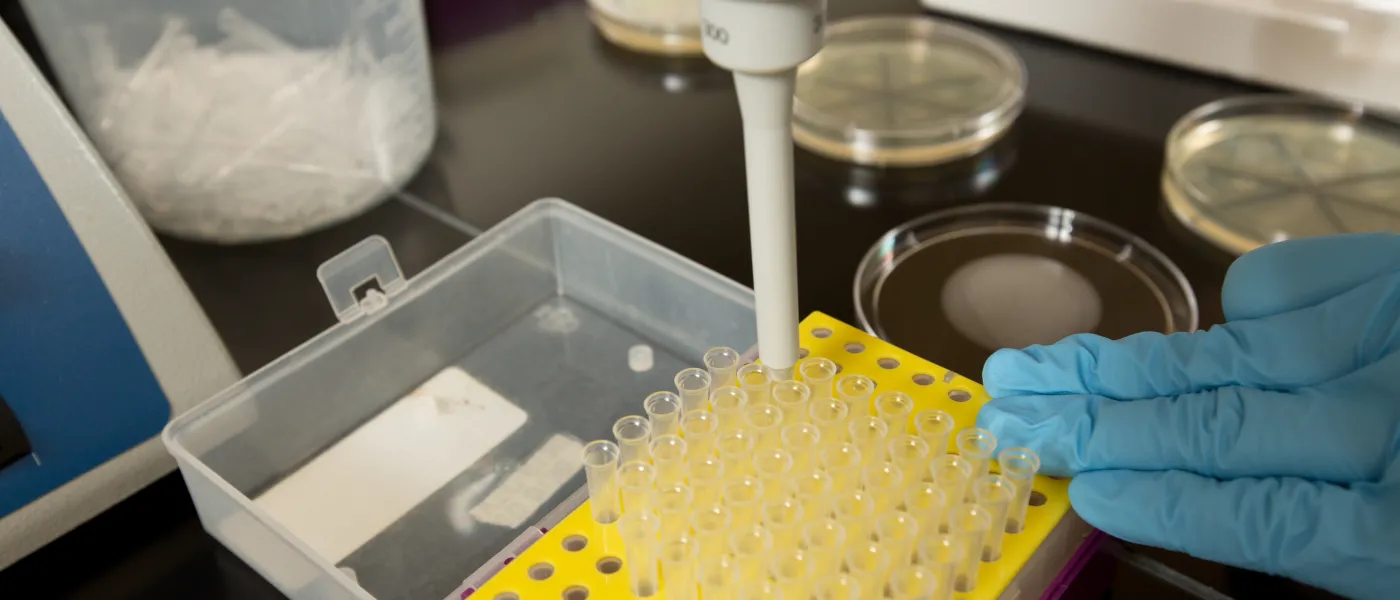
579 559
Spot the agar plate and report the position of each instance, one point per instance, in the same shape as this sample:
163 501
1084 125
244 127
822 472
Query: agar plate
1250 171
958 284
906 91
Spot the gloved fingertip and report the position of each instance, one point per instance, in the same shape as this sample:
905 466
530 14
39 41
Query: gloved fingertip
1103 499
1047 425
1035 370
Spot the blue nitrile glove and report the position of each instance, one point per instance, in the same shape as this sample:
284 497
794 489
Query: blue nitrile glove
1268 443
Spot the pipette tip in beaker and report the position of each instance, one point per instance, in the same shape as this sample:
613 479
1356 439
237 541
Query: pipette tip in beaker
895 408
600 468
693 387
663 413
818 373
633 434
936 428
722 363
1020 466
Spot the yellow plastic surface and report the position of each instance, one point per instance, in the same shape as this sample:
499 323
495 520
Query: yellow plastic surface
931 386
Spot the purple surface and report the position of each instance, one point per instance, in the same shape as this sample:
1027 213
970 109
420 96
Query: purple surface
1081 558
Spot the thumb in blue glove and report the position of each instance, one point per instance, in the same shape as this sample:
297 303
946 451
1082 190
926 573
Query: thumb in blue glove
1270 443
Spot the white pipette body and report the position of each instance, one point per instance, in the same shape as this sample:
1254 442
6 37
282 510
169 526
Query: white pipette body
763 42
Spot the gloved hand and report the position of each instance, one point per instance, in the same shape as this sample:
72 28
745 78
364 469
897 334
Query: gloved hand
1268 443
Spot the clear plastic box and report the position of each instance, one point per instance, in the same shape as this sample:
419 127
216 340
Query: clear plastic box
397 452
239 121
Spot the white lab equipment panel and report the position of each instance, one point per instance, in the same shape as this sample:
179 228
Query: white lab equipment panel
1348 50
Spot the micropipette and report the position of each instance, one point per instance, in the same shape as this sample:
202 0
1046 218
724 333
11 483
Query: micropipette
763 42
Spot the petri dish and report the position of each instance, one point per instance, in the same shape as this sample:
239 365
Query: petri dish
1249 171
906 91
956 285
667 27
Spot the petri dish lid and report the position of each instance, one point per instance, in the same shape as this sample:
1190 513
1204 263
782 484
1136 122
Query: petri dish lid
902 91
1250 171
956 285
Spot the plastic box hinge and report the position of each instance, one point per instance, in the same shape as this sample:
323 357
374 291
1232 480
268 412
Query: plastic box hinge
361 280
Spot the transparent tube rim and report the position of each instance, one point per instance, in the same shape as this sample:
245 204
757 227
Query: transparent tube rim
976 442
628 424
721 352
1019 455
594 448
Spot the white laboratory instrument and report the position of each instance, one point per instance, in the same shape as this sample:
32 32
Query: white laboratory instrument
763 42
103 343
1348 49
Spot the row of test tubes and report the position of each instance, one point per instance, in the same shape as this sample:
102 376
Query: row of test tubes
737 485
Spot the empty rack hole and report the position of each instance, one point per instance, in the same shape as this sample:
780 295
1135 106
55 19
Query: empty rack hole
839 368
1037 498
821 332
507 596
541 571
609 565
855 347
923 379
574 543
959 395
576 592
888 363
803 353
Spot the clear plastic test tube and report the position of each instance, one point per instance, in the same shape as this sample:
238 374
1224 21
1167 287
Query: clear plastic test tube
941 554
912 582
843 462
837 586
818 373
952 474
600 469
793 397
774 470
831 417
855 511
744 499
721 363
633 434
968 523
868 563
765 422
935 427
978 446
718 577
812 489
871 435
756 379
636 480
855 391
894 409
784 520
928 505
1020 466
699 428
673 506
639 533
897 532
736 452
668 457
664 413
804 442
824 541
884 483
910 453
706 480
751 546
995 494
711 526
791 573
693 386
727 403
679 561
